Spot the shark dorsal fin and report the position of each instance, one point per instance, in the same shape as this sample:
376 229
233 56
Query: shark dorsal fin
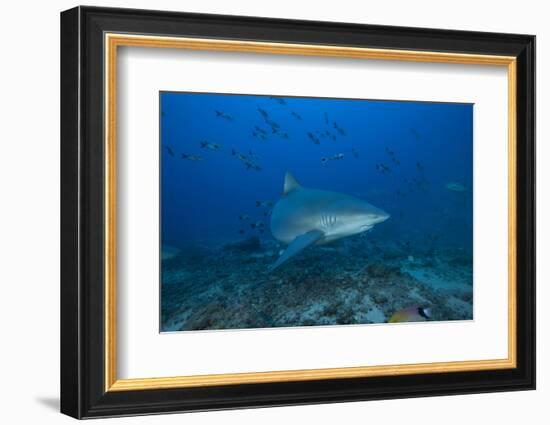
290 183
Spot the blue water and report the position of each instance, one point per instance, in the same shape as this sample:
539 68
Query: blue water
223 162
424 146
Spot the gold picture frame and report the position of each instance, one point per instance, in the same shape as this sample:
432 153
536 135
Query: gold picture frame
114 41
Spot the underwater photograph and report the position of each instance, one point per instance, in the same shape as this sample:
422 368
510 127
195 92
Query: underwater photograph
281 211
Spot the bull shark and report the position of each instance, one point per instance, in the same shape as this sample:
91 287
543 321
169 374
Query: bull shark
304 217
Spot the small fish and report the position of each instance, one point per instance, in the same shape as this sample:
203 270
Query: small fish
455 187
260 130
268 204
263 113
339 129
272 124
336 157
191 157
239 156
260 135
279 100
389 151
313 138
411 314
267 213
212 146
170 150
355 152
244 217
257 225
326 118
223 115
419 166
382 168
252 154
285 135
241 231
251 166
296 115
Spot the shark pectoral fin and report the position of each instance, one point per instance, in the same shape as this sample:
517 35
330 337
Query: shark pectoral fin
297 245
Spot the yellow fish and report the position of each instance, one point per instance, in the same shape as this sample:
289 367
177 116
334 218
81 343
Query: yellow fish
411 314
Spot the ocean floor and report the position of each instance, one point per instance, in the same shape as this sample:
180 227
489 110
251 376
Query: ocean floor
355 281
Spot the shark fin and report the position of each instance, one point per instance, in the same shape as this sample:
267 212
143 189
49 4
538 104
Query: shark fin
297 245
290 183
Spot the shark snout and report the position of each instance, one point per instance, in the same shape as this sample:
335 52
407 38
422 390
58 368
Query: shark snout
380 217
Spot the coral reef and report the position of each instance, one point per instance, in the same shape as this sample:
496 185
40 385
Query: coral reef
356 281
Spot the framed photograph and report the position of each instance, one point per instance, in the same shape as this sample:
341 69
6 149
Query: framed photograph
261 212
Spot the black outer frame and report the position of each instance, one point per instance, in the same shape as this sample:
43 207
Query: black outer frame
82 219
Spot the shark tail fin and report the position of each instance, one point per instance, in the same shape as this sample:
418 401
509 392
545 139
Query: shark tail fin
290 183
